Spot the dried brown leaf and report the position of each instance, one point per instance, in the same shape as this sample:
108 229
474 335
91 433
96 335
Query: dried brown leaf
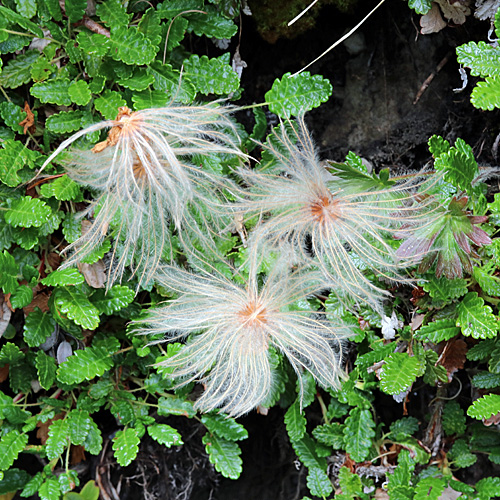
453 356
455 11
5 314
432 22
94 274
29 122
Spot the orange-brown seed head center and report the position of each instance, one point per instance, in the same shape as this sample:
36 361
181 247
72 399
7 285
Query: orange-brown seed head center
324 208
254 314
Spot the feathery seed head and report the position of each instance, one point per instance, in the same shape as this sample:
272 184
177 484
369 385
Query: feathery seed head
144 175
231 330
339 228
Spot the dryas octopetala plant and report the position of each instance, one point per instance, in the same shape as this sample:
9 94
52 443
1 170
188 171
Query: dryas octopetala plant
329 226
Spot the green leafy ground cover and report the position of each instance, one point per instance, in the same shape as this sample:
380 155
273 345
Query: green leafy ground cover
68 356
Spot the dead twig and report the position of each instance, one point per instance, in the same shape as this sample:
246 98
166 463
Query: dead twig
431 77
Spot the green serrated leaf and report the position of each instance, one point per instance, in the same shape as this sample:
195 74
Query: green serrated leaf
64 277
132 47
93 441
175 406
113 14
420 6
84 365
476 319
108 104
453 419
67 481
17 71
52 91
74 304
480 57
350 484
37 327
294 95
429 488
79 92
126 446
149 26
482 350
175 30
460 454
97 253
399 372
403 427
459 165
139 81
488 487
489 283
438 145
93 44
71 227
65 122
318 483
14 43
32 486
486 95
12 115
27 212
494 361
212 24
10 354
444 289
11 445
164 434
46 369
225 455
150 99
50 490
402 473
295 421
41 69
330 434
486 380
75 9
485 407
113 300
57 440
224 427
358 433
8 272
305 449
21 297
27 8
168 80
211 76
63 188
53 8
78 422
21 20
437 331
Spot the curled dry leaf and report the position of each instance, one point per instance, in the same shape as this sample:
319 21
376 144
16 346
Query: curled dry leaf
29 122
5 314
453 356
486 9
432 22
94 274
455 11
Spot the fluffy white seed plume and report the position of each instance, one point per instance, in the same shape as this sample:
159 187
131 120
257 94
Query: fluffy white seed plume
230 329
341 225
145 176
